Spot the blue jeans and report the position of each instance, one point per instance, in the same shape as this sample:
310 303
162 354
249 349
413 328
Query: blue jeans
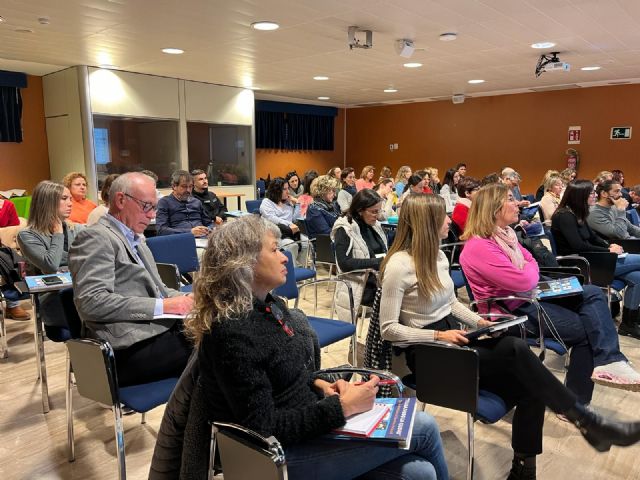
628 270
13 296
326 459
585 325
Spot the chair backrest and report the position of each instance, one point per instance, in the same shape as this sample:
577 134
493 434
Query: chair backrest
261 188
253 206
634 217
325 250
94 368
289 289
602 267
552 241
245 454
630 245
456 370
179 249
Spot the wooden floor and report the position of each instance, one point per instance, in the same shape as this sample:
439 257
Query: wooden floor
33 445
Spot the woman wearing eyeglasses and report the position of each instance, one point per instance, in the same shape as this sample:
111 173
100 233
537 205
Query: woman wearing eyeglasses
360 244
573 235
257 361
418 305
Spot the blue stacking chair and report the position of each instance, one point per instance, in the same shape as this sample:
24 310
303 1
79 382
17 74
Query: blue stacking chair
179 249
633 217
261 188
329 331
253 206
93 365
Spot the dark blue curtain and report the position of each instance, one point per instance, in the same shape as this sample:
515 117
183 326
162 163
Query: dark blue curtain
10 114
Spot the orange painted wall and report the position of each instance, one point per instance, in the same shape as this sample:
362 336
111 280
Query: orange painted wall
279 162
525 131
24 164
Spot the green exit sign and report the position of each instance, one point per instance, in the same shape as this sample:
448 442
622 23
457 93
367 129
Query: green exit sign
620 133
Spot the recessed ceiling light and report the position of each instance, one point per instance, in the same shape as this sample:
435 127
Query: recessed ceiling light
323 98
475 81
543 45
321 77
1 19
412 65
24 30
265 26
448 36
593 67
390 90
173 51
107 66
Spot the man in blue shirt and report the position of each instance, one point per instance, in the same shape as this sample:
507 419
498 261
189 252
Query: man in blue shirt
180 212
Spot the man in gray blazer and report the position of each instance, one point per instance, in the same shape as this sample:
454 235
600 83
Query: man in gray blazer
118 292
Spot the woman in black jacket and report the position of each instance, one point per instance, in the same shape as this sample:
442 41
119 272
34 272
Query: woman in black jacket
257 361
573 235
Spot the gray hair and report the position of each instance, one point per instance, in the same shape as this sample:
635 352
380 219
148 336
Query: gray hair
179 175
223 289
323 184
124 184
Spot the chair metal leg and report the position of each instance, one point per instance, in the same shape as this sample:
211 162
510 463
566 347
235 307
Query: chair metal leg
471 441
144 418
354 349
4 347
122 469
41 364
71 449
212 454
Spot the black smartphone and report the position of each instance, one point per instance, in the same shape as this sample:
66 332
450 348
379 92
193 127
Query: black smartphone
52 280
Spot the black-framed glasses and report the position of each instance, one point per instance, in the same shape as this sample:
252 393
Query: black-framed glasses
146 206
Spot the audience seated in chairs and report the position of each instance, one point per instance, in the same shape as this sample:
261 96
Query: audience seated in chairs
257 358
360 244
278 208
8 214
335 172
467 189
366 178
81 207
306 199
46 241
553 188
348 190
608 216
449 189
418 304
414 186
323 212
543 187
103 208
296 187
387 193
402 178
213 207
496 265
118 292
180 212
573 235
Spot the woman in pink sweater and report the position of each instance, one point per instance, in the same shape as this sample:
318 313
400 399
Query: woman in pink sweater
496 265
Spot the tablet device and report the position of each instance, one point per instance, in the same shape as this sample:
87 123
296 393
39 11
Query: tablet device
561 287
52 280
496 327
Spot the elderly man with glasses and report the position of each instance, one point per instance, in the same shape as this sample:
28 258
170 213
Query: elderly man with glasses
118 292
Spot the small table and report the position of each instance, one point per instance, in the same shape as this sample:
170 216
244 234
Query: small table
225 195
35 286
237 214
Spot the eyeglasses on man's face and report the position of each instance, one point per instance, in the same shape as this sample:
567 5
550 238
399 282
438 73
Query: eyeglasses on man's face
145 206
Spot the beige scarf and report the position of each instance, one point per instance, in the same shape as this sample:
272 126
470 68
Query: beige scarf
508 241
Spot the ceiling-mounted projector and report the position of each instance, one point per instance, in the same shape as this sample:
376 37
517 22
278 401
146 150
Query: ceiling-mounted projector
355 42
405 48
551 63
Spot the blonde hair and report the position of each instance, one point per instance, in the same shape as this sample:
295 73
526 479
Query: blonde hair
602 176
323 184
566 174
548 174
70 177
481 221
366 170
401 173
421 219
551 181
45 206
223 290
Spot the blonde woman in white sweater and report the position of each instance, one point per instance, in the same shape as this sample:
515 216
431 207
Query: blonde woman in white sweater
418 305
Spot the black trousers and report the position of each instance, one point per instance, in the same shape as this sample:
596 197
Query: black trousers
512 371
155 358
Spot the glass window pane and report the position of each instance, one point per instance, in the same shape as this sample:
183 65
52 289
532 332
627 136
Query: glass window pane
134 144
223 151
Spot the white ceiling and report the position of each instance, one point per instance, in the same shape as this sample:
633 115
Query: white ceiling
493 44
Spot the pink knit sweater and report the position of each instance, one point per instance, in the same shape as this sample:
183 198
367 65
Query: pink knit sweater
490 273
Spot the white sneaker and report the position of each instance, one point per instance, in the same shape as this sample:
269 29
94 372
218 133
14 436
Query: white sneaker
617 375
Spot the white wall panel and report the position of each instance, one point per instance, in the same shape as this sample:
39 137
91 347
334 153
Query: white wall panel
218 104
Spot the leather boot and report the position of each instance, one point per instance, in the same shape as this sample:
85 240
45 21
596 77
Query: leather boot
523 468
630 325
600 432
18 313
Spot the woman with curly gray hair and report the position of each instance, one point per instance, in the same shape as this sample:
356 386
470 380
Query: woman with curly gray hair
323 212
257 361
